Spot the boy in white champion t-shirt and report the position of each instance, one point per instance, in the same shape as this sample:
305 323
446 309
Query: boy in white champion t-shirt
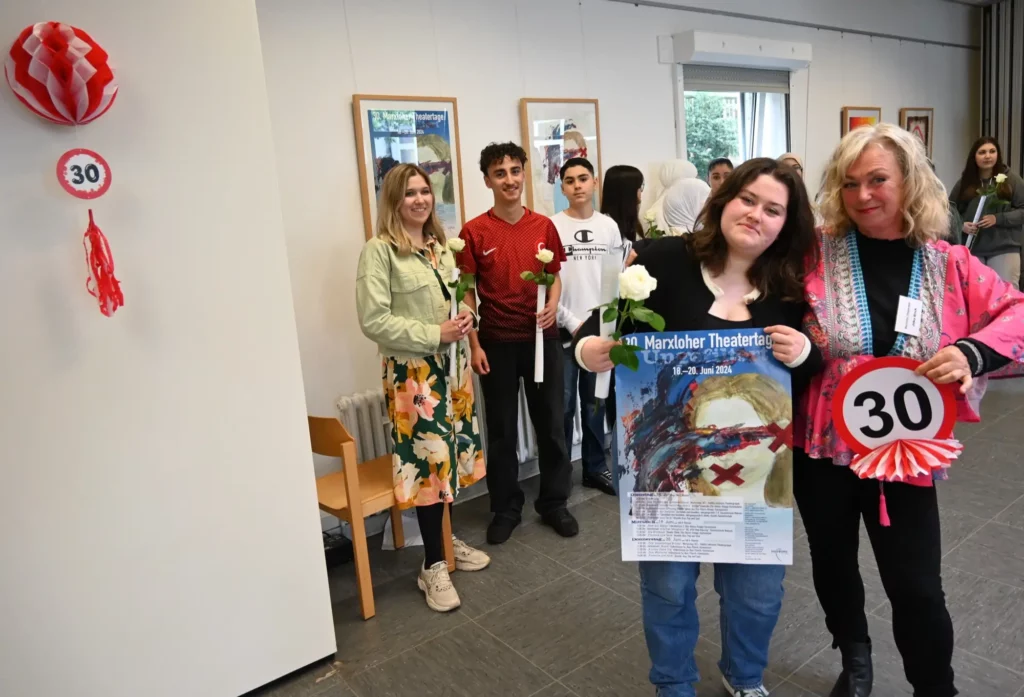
587 236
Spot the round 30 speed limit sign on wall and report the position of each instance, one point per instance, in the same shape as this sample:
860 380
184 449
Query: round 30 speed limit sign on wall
883 401
83 173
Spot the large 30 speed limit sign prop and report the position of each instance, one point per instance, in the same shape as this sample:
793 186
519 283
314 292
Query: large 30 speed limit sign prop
900 425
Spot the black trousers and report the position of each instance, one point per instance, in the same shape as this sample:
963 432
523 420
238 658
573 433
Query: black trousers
832 501
431 520
510 362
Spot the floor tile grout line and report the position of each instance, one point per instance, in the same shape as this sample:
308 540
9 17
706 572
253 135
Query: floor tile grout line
990 520
513 650
529 592
629 638
803 665
984 578
611 590
1019 673
435 637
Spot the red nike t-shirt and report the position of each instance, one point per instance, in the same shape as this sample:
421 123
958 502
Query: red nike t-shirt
496 253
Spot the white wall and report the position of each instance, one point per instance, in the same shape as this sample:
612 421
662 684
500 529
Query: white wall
159 524
488 54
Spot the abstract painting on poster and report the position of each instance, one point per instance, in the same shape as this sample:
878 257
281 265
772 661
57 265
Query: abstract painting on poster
921 122
417 130
857 116
705 462
555 130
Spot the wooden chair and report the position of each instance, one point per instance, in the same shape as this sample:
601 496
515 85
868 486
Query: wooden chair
357 491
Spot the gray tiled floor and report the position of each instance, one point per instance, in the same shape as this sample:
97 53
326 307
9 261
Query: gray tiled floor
561 618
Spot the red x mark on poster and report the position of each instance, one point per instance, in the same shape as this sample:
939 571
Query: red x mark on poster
783 436
727 475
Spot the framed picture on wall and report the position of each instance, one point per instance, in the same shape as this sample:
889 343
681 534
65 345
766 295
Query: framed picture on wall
857 116
419 130
556 130
919 120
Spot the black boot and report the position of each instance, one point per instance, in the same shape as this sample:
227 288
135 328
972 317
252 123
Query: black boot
857 677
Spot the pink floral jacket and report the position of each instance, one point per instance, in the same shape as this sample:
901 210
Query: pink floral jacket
962 298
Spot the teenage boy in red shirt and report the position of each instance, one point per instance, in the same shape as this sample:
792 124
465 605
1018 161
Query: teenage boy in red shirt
500 245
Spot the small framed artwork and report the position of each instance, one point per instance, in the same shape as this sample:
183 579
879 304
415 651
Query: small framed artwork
556 130
418 130
919 120
857 116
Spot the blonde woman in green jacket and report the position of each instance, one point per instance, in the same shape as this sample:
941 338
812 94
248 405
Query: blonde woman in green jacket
404 304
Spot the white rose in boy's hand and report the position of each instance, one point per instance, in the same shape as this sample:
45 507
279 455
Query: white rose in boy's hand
456 244
650 216
1000 178
636 284
545 256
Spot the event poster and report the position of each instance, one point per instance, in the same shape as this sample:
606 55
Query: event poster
422 137
705 449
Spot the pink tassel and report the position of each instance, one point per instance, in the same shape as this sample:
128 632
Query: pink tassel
883 510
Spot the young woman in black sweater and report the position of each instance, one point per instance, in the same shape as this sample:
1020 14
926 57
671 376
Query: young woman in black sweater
742 269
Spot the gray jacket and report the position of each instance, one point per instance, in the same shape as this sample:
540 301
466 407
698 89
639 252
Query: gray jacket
1008 234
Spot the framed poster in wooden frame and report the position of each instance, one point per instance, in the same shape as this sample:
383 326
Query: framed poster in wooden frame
919 120
556 130
857 116
392 130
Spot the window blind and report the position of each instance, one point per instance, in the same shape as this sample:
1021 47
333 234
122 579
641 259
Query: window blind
716 78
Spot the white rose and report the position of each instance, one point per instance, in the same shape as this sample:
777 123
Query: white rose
456 244
636 284
650 216
545 256
1000 178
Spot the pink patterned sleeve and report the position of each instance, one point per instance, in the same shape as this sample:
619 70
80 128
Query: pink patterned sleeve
995 310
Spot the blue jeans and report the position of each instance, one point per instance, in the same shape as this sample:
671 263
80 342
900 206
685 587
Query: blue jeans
591 415
750 598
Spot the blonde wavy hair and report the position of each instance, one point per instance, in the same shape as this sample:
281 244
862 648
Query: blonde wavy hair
389 219
772 404
925 203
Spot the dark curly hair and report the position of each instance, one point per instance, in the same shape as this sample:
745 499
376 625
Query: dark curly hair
970 179
495 153
780 268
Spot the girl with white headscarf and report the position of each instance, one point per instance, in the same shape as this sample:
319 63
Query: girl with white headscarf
683 203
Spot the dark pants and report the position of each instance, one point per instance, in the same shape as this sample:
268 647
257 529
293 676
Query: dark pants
832 501
431 520
591 415
509 362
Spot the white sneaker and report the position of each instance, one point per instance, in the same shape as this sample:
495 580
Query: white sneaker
758 691
467 558
437 584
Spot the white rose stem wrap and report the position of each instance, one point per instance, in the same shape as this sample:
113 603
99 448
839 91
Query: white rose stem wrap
538 347
453 348
611 266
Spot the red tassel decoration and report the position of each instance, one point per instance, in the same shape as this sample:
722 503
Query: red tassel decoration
883 510
101 283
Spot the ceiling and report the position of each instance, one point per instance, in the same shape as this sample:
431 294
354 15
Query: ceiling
975 3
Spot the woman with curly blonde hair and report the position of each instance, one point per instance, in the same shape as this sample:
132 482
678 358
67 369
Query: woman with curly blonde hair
885 212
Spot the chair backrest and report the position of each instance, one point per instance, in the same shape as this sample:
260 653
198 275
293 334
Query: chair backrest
327 436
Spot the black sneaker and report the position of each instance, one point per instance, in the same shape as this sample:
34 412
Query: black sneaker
501 529
562 522
602 481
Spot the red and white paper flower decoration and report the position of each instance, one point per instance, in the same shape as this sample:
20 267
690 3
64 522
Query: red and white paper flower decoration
902 460
61 73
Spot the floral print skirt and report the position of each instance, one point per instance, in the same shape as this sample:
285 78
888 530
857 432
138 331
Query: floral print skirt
434 428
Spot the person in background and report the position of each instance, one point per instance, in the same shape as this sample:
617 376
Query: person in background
742 268
500 245
588 237
718 171
884 211
623 188
999 232
668 174
683 205
403 305
794 161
